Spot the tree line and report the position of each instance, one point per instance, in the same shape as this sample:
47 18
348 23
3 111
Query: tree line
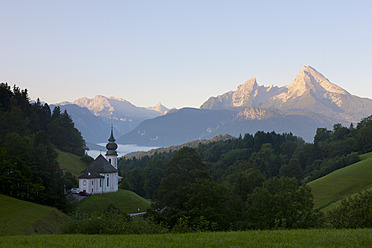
29 134
252 182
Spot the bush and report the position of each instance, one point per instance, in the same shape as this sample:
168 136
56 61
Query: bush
353 212
111 222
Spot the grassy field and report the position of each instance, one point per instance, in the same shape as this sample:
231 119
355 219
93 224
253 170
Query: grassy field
20 217
126 201
330 189
282 238
71 162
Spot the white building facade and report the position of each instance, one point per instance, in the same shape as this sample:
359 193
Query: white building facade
101 176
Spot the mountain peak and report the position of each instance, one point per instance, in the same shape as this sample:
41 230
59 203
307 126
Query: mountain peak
249 85
159 108
309 79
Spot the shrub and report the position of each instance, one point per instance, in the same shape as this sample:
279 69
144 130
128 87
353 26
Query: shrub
111 222
353 212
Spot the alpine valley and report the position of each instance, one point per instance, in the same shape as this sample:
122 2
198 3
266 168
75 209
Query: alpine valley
309 102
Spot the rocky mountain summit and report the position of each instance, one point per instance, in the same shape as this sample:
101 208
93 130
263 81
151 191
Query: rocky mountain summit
309 91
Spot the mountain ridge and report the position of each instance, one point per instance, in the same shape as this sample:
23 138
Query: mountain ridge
309 91
106 111
308 102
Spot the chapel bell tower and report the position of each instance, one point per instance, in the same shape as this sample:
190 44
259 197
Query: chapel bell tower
111 154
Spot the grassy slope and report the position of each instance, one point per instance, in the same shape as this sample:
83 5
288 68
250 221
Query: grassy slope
21 217
71 162
280 238
126 201
341 183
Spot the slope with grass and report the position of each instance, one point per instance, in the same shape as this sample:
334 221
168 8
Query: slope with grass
70 162
19 217
330 189
125 200
278 238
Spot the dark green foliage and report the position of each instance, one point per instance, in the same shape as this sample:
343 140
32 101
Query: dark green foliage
280 203
292 169
187 192
364 136
64 135
28 165
111 221
70 181
353 212
321 168
13 121
16 175
86 159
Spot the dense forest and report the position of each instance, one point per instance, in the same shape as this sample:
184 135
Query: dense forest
252 182
272 154
29 134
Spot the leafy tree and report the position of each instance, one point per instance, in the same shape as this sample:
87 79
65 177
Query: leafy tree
280 203
187 190
64 135
13 121
353 212
86 159
365 134
28 166
16 175
292 169
70 181
266 160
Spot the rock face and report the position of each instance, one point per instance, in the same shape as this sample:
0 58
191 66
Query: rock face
309 91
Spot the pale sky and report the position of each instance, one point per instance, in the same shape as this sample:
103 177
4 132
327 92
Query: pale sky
180 53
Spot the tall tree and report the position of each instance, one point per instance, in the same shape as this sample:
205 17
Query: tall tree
280 203
187 190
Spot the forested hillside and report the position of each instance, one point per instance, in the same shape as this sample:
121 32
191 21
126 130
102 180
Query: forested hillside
255 181
29 134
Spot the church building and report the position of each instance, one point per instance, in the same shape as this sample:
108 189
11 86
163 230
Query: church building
101 176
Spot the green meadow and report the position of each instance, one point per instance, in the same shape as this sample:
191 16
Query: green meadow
22 217
70 162
278 238
125 200
332 188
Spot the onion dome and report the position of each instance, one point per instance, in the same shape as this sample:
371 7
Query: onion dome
111 145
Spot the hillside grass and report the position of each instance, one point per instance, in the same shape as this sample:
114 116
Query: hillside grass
71 162
281 238
21 217
125 200
330 189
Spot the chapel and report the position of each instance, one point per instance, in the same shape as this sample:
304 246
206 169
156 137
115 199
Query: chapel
101 176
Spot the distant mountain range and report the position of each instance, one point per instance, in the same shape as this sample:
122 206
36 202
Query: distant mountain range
93 117
309 102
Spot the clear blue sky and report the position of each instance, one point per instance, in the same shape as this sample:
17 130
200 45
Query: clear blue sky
180 52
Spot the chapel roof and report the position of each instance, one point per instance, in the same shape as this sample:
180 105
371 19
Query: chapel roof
98 166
